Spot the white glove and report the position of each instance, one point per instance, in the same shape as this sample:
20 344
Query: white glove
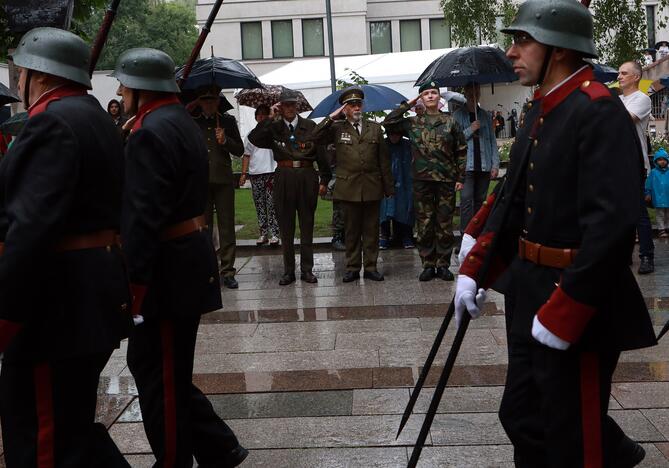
465 247
138 319
468 298
544 336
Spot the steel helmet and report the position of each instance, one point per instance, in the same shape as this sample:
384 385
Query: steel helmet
146 69
56 52
559 23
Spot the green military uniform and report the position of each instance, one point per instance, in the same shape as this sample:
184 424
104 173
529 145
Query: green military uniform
221 194
439 159
295 187
363 177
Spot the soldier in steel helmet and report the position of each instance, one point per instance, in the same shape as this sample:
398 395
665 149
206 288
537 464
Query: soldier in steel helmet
363 179
171 264
562 232
63 291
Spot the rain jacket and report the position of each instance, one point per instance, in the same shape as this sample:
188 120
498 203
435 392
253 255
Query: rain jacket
657 183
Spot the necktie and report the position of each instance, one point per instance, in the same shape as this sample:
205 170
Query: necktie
291 128
357 127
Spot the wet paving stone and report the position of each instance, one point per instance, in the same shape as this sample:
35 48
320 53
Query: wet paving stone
328 458
468 456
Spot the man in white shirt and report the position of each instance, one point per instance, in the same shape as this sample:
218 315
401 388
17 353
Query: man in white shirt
639 107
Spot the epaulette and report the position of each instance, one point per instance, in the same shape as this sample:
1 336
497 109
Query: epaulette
595 90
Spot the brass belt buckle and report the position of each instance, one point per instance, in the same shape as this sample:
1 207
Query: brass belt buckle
297 164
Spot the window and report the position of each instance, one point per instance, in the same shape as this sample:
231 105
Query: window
252 41
380 37
440 34
312 37
410 35
650 24
282 39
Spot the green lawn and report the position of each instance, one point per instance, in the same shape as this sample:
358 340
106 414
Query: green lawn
245 213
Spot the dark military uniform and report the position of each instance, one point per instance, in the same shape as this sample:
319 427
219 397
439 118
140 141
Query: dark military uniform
439 158
173 272
295 184
63 291
578 191
363 177
221 183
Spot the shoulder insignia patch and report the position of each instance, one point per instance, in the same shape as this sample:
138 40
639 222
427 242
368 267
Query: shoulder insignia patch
595 90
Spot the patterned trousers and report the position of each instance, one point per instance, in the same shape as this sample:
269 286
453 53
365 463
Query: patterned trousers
261 186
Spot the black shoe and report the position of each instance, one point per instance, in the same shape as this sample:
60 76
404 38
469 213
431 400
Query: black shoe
351 276
235 457
628 454
287 279
308 277
647 265
230 282
373 275
445 274
338 245
427 274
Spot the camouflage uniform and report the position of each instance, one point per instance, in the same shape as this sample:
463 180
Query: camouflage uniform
439 157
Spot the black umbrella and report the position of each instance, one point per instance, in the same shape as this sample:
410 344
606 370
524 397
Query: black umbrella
604 73
223 72
7 96
481 64
14 124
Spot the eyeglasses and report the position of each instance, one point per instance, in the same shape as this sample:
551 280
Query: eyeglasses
522 39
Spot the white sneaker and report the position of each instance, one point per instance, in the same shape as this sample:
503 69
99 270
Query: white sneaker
273 240
261 240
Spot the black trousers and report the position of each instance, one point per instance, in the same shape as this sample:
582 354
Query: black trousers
555 404
179 421
48 415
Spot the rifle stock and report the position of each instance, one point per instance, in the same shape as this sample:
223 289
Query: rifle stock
200 42
101 38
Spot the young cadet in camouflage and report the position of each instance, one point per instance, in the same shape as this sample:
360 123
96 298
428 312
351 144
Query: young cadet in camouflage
439 158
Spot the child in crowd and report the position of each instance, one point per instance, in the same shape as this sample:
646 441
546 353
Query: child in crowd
657 190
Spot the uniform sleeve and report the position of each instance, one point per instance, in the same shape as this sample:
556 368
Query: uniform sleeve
385 164
43 169
324 170
147 199
323 133
396 118
261 135
608 190
233 140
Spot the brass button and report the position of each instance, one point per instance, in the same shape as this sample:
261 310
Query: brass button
475 220
585 84
124 306
541 121
529 210
485 203
484 244
109 248
211 280
536 143
531 166
529 105
531 187
472 258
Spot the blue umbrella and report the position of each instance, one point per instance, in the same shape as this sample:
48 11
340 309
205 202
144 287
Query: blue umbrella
377 98
604 73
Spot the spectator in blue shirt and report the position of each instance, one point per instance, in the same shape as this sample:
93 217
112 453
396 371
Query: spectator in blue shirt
482 154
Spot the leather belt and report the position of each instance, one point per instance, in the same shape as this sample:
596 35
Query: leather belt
545 256
294 164
184 228
94 240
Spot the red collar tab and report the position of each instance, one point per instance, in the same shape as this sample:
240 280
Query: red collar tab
54 95
558 95
149 107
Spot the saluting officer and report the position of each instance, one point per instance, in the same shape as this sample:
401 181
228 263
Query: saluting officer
564 238
223 140
363 179
171 264
63 291
296 183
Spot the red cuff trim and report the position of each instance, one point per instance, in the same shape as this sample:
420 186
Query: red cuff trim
564 316
475 226
474 261
8 330
138 292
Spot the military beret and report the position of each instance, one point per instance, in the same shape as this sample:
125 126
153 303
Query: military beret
288 95
428 85
351 94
